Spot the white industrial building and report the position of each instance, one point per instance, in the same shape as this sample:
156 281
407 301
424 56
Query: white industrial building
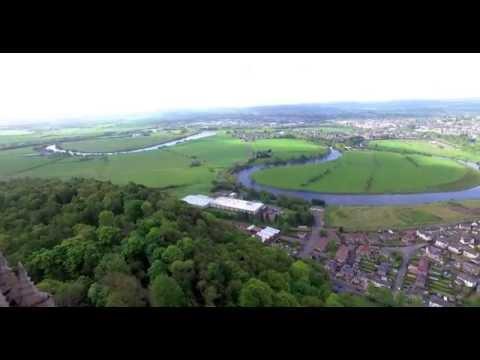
237 205
267 234
200 201
224 203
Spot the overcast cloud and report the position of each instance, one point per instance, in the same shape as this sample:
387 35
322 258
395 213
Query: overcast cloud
59 86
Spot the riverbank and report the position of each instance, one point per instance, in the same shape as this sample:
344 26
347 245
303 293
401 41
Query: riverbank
372 172
244 177
57 149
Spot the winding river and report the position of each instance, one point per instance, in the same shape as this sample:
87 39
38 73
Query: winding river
245 178
55 149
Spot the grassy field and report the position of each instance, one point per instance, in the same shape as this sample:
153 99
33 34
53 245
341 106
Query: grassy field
371 218
161 168
373 172
435 147
122 143
9 137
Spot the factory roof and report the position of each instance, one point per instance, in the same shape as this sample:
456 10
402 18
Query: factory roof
237 204
267 233
198 200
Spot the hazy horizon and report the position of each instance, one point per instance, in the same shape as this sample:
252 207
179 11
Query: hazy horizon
51 87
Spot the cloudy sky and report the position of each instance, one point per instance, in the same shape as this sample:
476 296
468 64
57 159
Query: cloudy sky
59 86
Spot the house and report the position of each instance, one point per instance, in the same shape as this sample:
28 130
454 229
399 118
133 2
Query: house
423 236
437 301
471 269
467 280
423 266
412 269
434 253
456 264
363 250
465 240
253 229
331 266
408 237
382 269
421 281
456 249
342 254
470 254
441 243
379 283
322 244
267 234
347 272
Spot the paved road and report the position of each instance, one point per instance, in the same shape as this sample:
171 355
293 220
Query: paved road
407 252
314 238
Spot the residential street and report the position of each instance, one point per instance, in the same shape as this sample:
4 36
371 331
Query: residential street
407 252
314 237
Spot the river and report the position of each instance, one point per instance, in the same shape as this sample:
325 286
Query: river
244 177
55 149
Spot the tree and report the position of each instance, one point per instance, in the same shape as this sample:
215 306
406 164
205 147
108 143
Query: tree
133 210
333 300
165 291
117 290
285 299
147 208
133 246
187 246
70 293
256 293
171 254
276 280
210 295
111 262
331 247
300 270
158 267
183 272
381 296
124 291
108 235
106 218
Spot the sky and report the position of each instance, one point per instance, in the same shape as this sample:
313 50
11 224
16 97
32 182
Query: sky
39 87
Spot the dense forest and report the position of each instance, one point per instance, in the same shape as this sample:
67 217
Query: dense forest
92 243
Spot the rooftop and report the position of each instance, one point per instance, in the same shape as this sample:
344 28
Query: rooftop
198 200
237 204
342 254
267 233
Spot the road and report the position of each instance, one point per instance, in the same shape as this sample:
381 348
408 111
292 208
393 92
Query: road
314 237
407 252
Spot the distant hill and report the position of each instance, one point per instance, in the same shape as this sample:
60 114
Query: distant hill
292 112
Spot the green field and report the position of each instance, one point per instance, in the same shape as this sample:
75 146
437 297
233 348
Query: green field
370 218
123 143
373 172
434 147
160 168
